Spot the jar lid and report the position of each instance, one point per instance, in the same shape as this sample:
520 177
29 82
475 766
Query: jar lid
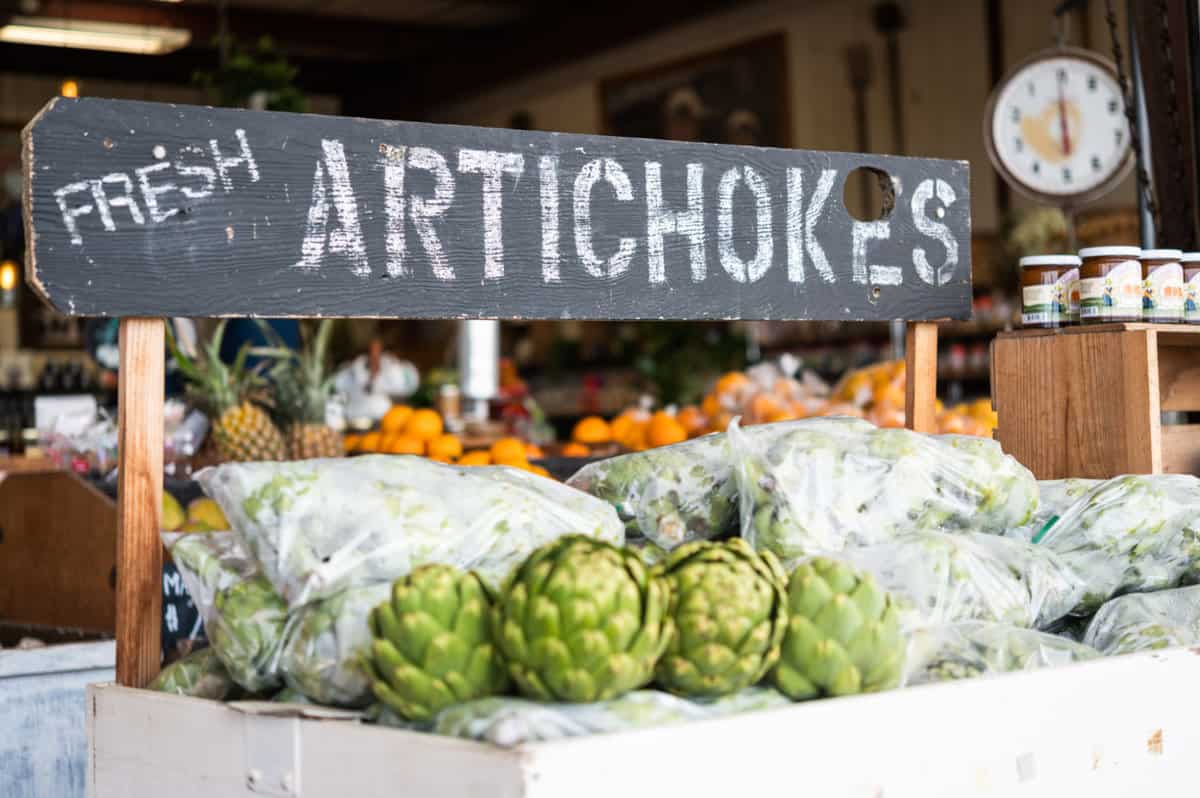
1110 252
1050 260
1190 257
1162 254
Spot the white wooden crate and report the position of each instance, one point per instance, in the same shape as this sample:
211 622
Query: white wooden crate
1118 727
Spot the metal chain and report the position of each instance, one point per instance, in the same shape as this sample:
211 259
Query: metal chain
1176 133
1143 176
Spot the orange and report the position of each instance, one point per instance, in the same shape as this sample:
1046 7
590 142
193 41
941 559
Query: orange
799 409
890 393
534 452
574 449
664 430
475 457
761 407
887 416
952 423
721 421
541 472
710 406
621 426
423 424
405 444
841 409
592 430
351 442
395 418
732 382
781 414
508 450
445 447
693 420
370 442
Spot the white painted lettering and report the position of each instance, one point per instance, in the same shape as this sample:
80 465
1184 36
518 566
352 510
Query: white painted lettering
150 194
861 234
395 240
938 231
493 166
332 191
813 215
548 171
206 173
740 270
125 199
244 157
689 223
423 210
70 214
592 172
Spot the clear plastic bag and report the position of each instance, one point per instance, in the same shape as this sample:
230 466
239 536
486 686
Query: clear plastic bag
199 675
317 527
965 650
1055 496
942 578
1146 621
243 615
1129 534
509 722
830 483
323 645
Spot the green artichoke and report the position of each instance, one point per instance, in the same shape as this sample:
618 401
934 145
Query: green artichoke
843 634
432 646
246 630
729 608
582 620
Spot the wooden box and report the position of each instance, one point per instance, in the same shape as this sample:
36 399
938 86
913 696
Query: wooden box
1088 401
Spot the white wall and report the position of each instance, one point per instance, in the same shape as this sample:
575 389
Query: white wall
944 64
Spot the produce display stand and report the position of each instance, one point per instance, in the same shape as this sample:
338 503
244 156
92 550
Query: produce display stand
142 211
1088 401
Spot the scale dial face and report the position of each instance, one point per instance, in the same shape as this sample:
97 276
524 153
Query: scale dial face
1056 127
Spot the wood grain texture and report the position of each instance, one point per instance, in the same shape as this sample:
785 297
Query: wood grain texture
1030 400
1181 449
1179 372
920 389
1142 411
57 551
143 209
139 500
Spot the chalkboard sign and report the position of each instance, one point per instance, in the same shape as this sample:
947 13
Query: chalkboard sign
143 209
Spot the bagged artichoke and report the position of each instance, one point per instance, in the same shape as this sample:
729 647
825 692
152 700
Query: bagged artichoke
510 722
965 650
1146 621
243 615
938 578
830 483
199 675
729 610
317 527
1055 496
1129 534
582 620
323 646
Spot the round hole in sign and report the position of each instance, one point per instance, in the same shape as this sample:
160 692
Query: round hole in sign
869 194
875 292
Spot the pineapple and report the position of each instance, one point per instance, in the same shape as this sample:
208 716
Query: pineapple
241 429
302 389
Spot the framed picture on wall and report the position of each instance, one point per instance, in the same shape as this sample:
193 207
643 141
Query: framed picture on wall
737 95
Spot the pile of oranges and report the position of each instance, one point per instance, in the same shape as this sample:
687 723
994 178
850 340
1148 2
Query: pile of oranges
404 430
878 390
634 429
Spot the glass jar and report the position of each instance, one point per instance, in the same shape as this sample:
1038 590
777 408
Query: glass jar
1191 287
1162 286
1049 291
1110 285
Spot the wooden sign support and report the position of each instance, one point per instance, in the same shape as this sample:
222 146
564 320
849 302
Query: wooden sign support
143 211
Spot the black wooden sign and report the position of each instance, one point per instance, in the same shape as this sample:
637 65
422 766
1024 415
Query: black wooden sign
143 209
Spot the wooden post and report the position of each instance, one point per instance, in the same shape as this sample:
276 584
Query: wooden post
139 500
920 354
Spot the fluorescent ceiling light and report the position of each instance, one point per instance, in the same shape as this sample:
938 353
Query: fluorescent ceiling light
88 35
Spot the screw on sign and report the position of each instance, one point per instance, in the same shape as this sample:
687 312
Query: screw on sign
141 210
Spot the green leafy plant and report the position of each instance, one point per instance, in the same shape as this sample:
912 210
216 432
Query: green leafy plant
248 71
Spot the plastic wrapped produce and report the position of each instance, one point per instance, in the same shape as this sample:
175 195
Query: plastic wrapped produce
324 643
318 527
939 577
199 675
1055 496
829 483
1146 621
1129 534
510 722
965 650
243 615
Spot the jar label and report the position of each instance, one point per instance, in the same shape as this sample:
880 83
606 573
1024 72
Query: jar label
1191 299
1162 292
1116 295
1050 303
